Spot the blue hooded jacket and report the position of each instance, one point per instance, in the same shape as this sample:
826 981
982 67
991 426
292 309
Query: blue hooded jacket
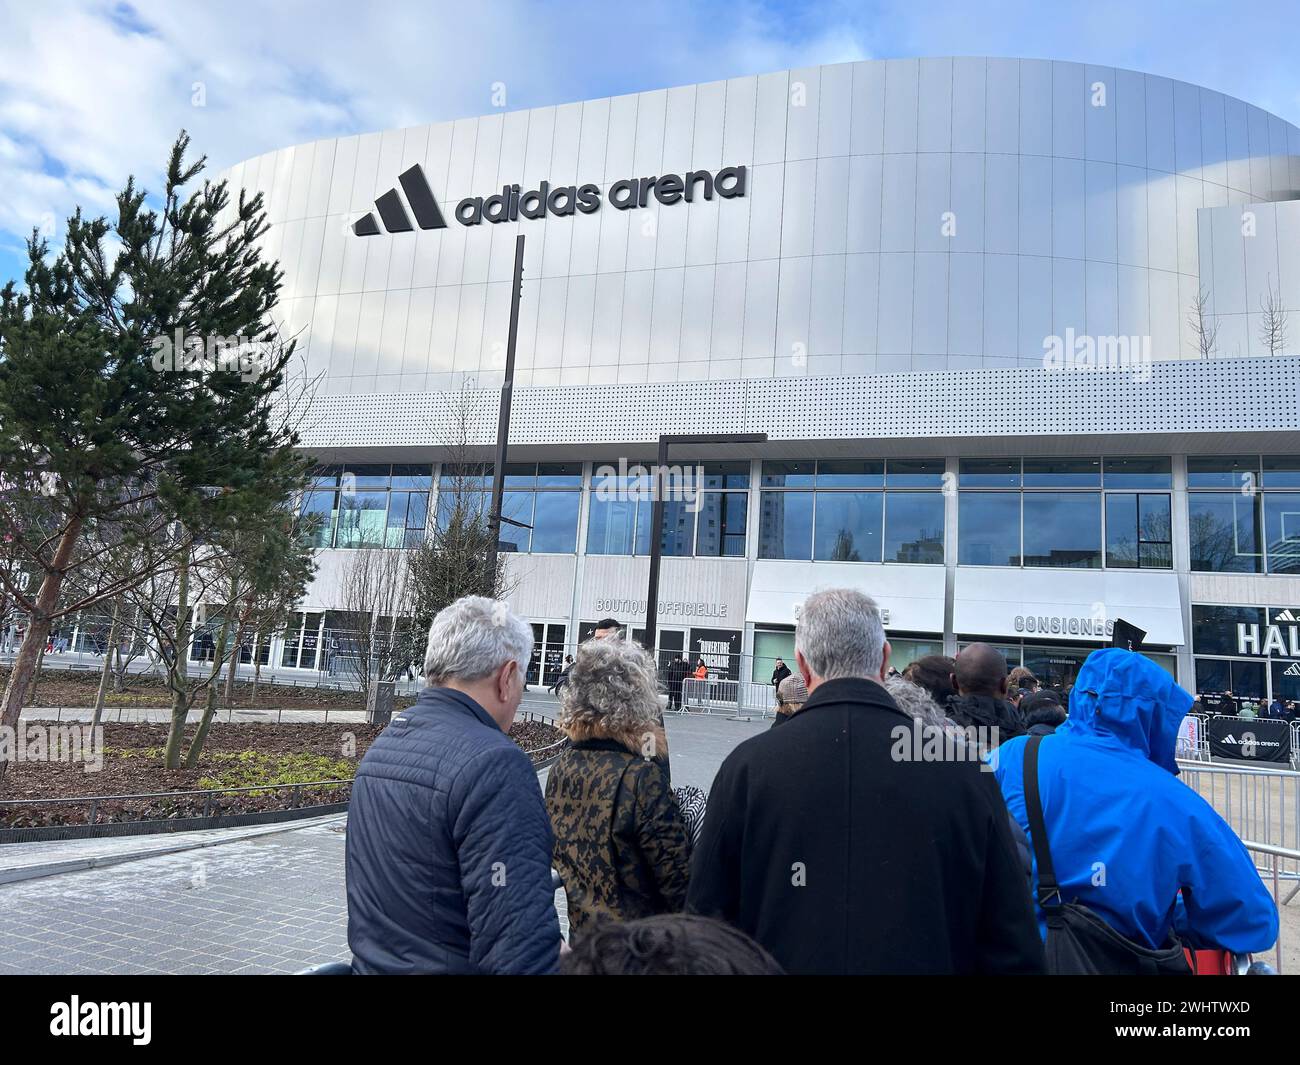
1126 835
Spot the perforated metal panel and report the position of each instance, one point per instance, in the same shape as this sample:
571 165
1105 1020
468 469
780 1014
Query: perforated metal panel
1181 397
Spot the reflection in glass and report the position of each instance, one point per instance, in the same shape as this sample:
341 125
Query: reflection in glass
1063 529
785 525
988 528
1223 528
914 527
848 527
1282 531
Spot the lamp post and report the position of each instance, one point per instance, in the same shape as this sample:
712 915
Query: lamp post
495 517
657 516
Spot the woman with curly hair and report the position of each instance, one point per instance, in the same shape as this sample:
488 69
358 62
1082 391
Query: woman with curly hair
621 845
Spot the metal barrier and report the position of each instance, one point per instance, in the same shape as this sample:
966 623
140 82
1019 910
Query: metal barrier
1295 745
1276 856
1260 804
734 697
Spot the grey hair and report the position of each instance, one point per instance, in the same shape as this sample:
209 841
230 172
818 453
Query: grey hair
611 691
915 701
474 637
840 634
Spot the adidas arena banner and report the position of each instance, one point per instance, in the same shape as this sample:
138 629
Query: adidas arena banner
513 203
1258 740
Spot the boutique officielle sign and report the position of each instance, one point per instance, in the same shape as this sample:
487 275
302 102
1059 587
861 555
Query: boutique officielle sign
514 202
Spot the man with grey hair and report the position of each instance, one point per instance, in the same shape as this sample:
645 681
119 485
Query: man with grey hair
449 844
840 851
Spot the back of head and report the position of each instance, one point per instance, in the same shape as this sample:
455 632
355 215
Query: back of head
1042 708
1021 677
981 670
1125 695
472 638
670 944
914 700
792 691
934 674
840 634
611 693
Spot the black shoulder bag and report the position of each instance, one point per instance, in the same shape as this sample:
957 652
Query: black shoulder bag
1079 942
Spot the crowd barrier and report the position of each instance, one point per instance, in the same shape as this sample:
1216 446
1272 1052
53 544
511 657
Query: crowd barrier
1260 804
736 698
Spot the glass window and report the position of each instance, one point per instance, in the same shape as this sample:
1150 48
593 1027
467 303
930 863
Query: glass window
788 474
1062 473
677 536
559 475
1282 531
850 473
458 503
1286 681
726 474
914 473
1214 628
1063 529
521 475
914 527
1234 471
322 506
769 645
990 473
1138 473
1243 679
902 653
1223 528
517 506
367 476
988 528
611 526
848 526
1138 531
722 524
1282 471
362 519
416 477
555 522
785 527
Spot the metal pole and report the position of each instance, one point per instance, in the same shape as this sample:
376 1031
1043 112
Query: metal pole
656 552
503 417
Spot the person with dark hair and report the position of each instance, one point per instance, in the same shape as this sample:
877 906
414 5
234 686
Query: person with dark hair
607 629
980 677
1041 712
934 674
678 670
676 944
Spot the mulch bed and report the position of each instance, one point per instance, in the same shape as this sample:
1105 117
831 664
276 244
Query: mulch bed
64 687
132 764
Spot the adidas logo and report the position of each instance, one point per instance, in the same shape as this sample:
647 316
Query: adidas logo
1284 615
1293 670
513 202
393 213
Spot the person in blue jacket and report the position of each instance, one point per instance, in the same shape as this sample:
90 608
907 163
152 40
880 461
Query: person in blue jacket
1126 835
449 843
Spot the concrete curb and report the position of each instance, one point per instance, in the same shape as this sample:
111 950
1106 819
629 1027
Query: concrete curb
36 870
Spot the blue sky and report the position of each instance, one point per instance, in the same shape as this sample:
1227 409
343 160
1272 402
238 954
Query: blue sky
91 92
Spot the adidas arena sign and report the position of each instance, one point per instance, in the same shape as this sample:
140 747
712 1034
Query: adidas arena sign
513 203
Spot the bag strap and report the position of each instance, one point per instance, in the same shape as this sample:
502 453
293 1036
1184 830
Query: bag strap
1047 885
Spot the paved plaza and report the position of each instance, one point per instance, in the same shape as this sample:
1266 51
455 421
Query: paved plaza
267 902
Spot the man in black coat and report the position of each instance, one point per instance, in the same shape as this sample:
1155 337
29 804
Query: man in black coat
677 673
841 846
980 679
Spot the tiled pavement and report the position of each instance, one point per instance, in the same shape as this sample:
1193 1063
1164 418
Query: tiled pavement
271 904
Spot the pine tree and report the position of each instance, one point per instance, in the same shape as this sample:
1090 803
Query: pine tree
98 418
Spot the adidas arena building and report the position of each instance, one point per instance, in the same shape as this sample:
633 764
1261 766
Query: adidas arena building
1016 332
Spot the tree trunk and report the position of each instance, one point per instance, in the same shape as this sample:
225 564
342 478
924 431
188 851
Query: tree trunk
38 631
257 671
210 709
36 676
108 668
177 678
